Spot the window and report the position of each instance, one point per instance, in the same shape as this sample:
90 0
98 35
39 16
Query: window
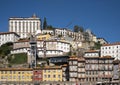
59 71
48 71
45 76
10 72
59 76
14 77
2 72
54 76
48 76
74 62
2 77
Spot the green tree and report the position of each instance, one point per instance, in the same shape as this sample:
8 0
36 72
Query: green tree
97 45
78 28
45 23
81 29
5 49
49 27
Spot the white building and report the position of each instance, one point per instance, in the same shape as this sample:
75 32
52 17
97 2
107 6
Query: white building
48 32
8 37
24 26
111 50
61 32
92 53
53 48
102 41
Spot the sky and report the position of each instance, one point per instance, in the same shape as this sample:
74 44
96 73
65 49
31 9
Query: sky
102 17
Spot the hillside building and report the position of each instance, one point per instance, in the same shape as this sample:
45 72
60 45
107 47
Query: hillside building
8 37
102 41
111 50
24 26
16 75
52 73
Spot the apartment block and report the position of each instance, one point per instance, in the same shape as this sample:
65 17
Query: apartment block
77 71
90 68
98 69
73 68
52 73
112 49
53 48
105 69
8 37
81 70
16 74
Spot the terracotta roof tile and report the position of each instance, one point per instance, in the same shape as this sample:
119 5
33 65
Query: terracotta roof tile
116 43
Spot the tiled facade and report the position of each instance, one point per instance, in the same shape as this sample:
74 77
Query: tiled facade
92 68
81 70
105 69
73 68
77 69
91 65
98 69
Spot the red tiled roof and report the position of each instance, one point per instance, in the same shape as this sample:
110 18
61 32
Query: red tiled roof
1 33
64 65
81 59
105 57
73 58
16 69
116 43
91 51
116 61
52 67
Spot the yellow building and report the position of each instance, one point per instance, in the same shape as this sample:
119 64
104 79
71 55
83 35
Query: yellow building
16 74
43 36
52 73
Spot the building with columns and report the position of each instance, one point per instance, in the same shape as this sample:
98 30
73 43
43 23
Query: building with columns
24 26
